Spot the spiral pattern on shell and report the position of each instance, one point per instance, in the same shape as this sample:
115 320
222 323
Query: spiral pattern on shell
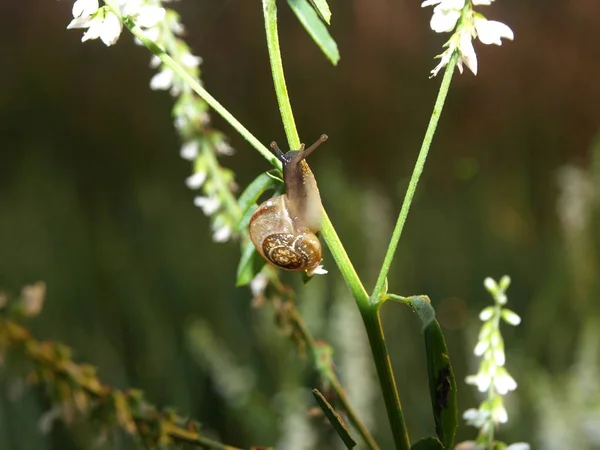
301 252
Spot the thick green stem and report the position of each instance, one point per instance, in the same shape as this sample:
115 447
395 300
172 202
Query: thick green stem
283 98
370 316
377 296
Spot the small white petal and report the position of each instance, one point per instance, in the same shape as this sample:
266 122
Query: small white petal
490 285
486 313
499 414
111 29
319 270
155 61
511 317
84 8
481 347
519 446
443 20
482 2
504 383
258 284
222 234
94 30
499 357
467 53
189 60
209 205
189 150
430 3
223 148
150 16
492 32
162 80
196 180
81 22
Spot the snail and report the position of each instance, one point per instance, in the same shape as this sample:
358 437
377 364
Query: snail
283 228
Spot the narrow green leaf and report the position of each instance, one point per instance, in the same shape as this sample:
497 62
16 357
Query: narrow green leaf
323 9
442 385
316 28
334 419
429 443
250 264
254 190
250 196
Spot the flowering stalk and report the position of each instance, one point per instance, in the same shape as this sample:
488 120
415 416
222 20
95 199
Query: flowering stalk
492 377
201 143
458 15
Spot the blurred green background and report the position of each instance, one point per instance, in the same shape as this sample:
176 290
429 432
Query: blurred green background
93 202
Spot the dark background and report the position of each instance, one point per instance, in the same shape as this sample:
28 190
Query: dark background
93 202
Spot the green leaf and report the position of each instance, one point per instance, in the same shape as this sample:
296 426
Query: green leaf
250 264
250 196
254 190
429 443
334 419
442 385
316 28
323 9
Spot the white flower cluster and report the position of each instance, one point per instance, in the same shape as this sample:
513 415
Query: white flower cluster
104 23
163 27
492 376
458 15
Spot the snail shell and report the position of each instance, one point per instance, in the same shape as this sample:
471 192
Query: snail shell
283 228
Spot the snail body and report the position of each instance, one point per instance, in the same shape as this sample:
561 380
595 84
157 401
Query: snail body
283 228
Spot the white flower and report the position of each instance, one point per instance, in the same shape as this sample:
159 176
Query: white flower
189 150
103 24
481 380
163 80
84 8
223 148
503 382
519 446
486 313
476 417
458 15
190 61
196 180
467 52
222 234
258 285
491 31
499 414
511 317
209 205
491 285
481 348
319 270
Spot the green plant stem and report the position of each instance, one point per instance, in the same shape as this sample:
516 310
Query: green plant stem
370 316
203 93
283 98
287 116
378 294
343 261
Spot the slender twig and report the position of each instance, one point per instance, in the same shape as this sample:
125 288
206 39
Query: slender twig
54 363
377 296
331 378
